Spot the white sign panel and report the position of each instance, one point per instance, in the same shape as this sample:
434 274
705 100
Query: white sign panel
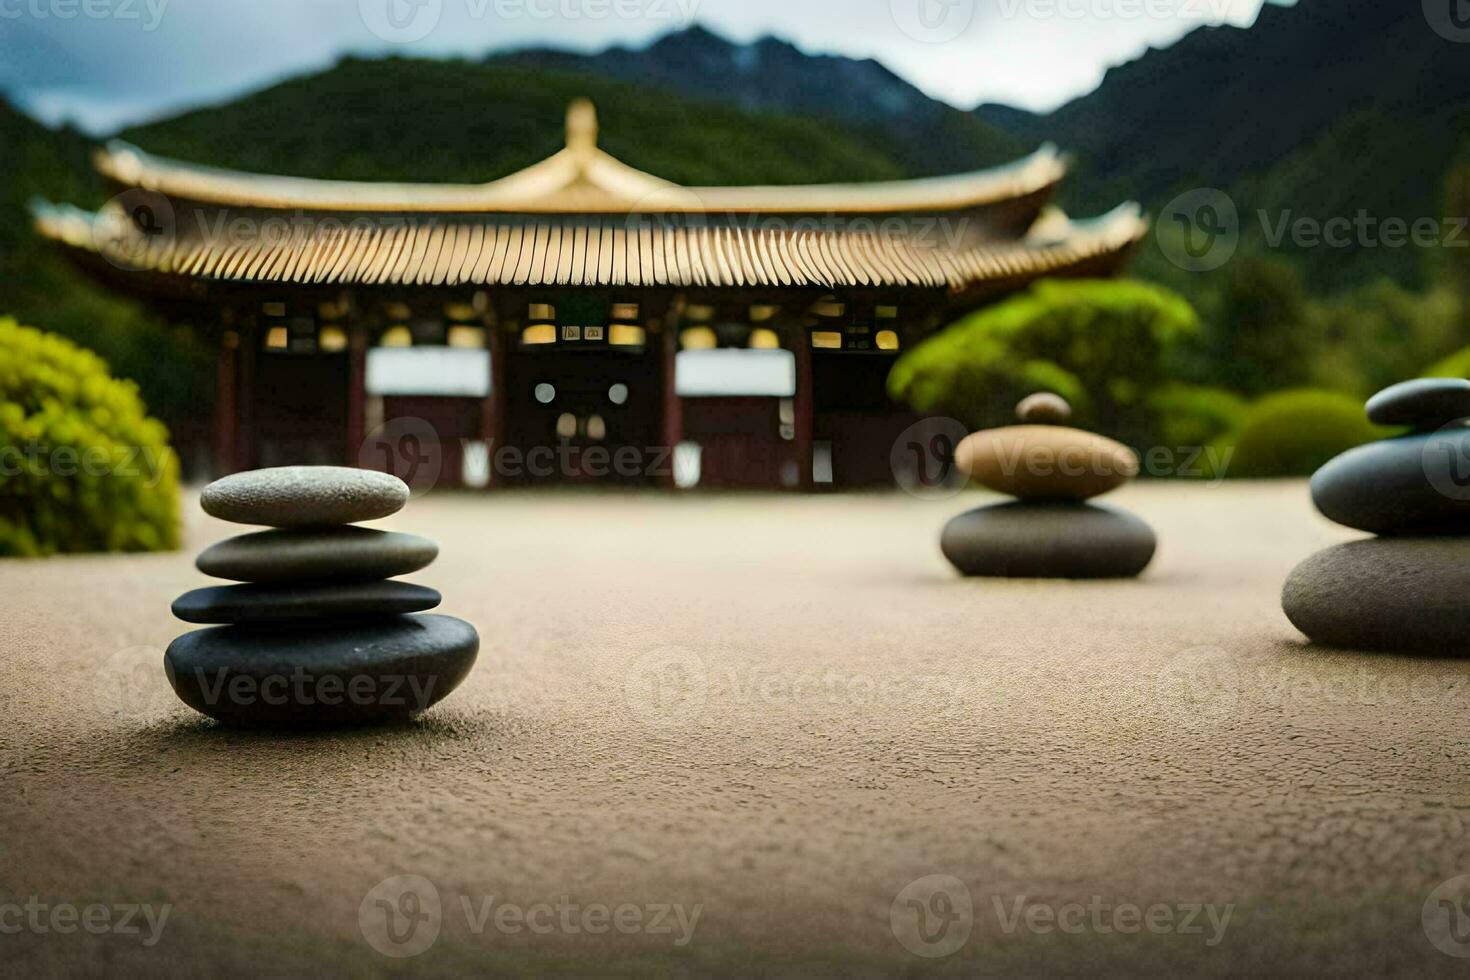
445 371
735 373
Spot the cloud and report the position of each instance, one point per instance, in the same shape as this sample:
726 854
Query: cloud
126 60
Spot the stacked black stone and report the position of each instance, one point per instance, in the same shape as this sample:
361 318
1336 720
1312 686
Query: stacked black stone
317 635
1052 529
1405 589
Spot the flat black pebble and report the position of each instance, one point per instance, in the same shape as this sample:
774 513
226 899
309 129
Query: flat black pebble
266 605
1048 540
322 676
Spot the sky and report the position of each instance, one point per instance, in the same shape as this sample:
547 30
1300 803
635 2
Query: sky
105 63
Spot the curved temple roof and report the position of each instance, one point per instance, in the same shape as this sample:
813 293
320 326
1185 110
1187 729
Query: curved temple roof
583 218
605 251
580 179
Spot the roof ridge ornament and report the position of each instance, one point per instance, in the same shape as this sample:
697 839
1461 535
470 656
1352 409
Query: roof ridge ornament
582 128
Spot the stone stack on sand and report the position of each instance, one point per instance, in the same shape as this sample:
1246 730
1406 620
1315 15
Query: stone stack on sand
1050 531
1407 588
319 634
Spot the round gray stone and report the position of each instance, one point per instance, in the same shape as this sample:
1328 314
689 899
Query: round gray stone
304 496
1030 539
1424 403
318 555
1396 594
268 605
1412 485
387 671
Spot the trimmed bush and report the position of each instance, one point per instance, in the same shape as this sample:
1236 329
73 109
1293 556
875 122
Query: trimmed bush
1457 365
1101 344
1193 415
82 467
1292 433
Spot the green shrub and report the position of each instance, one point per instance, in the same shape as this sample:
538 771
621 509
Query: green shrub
1194 415
1457 365
1292 433
1101 344
82 467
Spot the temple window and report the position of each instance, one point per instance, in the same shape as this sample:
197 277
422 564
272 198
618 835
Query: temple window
539 333
463 336
625 335
698 338
332 339
396 336
764 338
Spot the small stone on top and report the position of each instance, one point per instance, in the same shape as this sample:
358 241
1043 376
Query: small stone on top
1423 404
1044 408
304 496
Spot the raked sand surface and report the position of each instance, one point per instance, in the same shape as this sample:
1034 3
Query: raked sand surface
747 730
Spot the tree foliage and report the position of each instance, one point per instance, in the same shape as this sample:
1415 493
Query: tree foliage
1104 345
82 466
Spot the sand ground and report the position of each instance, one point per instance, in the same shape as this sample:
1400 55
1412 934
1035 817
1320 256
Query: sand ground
783 715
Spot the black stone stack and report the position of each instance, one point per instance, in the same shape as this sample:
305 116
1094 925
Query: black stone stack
318 634
1406 589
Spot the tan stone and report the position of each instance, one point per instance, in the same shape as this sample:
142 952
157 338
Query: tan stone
1046 462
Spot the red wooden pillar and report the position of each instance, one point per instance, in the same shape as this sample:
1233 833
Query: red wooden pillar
493 408
246 356
356 394
804 404
226 419
673 408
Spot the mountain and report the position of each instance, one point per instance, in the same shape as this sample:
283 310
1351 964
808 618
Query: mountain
1320 109
770 75
416 119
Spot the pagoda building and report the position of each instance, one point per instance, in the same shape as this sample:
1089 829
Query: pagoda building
577 321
